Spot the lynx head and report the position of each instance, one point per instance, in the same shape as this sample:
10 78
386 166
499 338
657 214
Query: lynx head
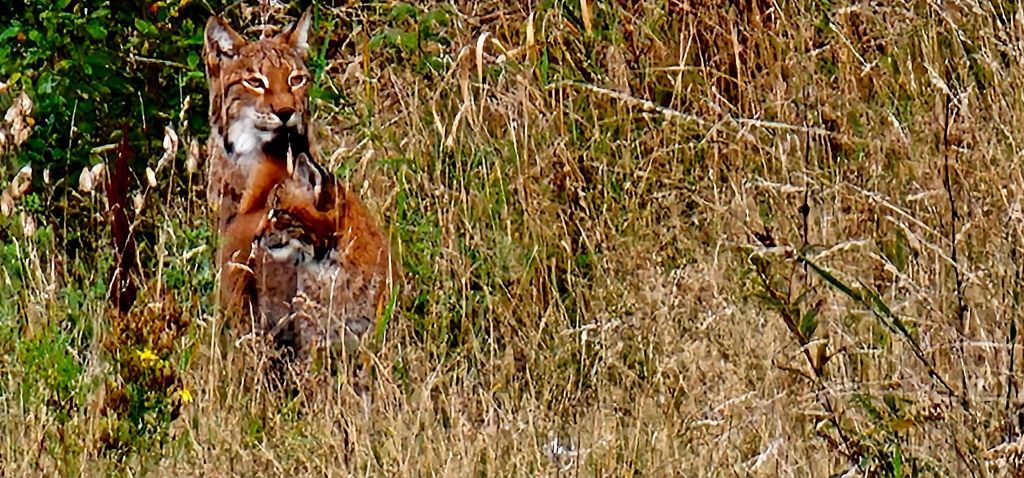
258 90
309 184
300 205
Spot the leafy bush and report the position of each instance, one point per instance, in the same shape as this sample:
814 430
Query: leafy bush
88 73
95 66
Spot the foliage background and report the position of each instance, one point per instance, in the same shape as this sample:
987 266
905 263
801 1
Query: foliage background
640 238
94 66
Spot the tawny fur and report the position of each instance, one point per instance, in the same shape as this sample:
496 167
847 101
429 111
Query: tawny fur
305 259
252 86
301 258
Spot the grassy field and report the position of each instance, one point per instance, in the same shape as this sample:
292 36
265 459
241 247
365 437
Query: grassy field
653 238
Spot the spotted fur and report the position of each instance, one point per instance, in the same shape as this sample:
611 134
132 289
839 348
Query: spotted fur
301 257
309 266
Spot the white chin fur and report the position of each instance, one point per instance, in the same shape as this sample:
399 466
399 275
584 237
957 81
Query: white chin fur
245 138
288 252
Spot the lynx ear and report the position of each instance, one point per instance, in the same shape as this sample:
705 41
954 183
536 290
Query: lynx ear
315 180
296 35
308 174
221 40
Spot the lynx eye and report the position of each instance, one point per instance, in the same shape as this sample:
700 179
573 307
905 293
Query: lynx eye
297 80
255 82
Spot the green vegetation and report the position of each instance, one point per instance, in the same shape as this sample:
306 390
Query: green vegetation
638 238
93 66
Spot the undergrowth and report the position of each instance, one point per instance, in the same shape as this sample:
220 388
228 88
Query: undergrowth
639 238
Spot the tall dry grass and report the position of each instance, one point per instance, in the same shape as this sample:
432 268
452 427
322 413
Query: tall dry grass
640 238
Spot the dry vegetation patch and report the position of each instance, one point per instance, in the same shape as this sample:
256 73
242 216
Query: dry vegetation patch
639 238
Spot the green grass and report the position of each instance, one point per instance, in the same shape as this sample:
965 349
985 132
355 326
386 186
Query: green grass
606 267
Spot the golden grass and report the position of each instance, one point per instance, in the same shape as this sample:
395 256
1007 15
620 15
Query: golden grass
599 215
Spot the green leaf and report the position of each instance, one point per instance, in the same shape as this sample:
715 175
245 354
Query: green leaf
544 75
403 11
145 27
382 321
409 40
877 301
377 40
36 37
45 83
324 95
10 31
96 31
433 63
192 60
809 323
897 462
438 16
831 279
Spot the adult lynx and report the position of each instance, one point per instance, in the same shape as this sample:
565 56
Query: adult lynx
259 106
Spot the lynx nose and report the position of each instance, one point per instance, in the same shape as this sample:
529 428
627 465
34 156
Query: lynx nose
285 114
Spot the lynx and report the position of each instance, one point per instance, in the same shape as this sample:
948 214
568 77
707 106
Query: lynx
301 257
259 106
309 265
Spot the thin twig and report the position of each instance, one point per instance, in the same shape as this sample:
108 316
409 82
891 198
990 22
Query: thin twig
157 61
961 307
669 113
1011 384
805 208
641 103
785 126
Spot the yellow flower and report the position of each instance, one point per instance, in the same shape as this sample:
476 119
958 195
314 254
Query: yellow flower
147 356
185 395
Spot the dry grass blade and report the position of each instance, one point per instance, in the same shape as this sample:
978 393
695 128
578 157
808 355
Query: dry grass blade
870 300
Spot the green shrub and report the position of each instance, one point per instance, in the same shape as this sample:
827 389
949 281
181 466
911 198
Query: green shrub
95 66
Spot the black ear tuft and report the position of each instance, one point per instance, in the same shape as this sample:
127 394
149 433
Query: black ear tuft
306 172
318 182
